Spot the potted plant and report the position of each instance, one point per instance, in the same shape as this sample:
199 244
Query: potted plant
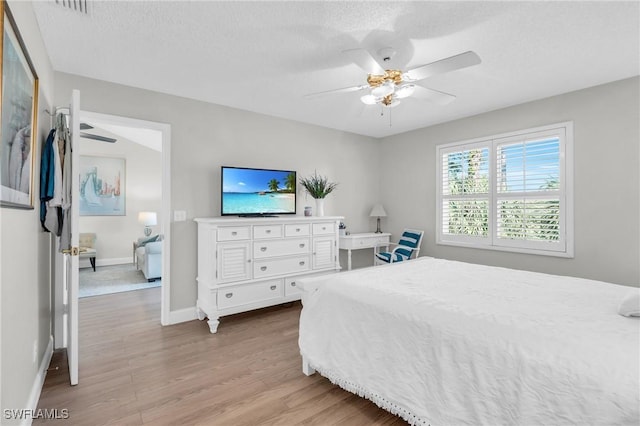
318 187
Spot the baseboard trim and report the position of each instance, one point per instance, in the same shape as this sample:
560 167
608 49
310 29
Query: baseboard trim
38 383
84 263
182 315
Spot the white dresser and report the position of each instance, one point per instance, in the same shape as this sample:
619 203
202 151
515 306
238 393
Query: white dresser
250 263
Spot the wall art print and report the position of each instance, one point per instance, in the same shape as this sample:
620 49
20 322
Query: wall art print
18 117
102 186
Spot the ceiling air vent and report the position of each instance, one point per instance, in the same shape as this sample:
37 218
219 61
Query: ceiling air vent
80 6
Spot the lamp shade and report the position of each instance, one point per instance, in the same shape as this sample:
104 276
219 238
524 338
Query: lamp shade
148 218
405 90
369 100
378 211
385 89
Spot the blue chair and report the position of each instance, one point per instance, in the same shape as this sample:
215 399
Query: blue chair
407 248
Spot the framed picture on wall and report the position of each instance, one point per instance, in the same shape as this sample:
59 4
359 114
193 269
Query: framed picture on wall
102 186
18 117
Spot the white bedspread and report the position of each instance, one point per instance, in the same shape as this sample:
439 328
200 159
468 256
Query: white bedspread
449 343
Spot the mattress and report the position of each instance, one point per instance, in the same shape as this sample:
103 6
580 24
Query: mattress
449 343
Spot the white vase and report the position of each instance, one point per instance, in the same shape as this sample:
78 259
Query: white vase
319 206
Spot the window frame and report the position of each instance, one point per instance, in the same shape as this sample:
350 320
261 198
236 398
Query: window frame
565 245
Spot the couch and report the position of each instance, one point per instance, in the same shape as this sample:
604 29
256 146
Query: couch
149 257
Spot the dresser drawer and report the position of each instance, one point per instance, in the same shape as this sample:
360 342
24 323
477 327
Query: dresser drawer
267 231
370 242
291 287
250 293
324 228
234 233
290 265
301 230
288 247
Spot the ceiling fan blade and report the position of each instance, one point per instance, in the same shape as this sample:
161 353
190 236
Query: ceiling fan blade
364 59
85 126
452 63
331 92
97 137
440 98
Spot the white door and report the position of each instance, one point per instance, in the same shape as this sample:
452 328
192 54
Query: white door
66 264
234 262
324 252
72 259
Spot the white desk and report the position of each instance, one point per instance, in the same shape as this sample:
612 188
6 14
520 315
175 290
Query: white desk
362 241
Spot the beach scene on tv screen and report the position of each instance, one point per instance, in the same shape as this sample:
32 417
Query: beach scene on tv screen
247 191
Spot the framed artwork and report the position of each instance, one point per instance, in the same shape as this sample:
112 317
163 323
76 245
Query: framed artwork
18 117
102 186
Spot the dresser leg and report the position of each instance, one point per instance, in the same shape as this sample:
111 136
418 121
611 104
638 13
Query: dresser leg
213 325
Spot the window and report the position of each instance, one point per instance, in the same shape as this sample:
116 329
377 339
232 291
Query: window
508 192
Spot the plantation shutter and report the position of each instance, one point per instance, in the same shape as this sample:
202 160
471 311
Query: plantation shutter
529 191
465 193
508 192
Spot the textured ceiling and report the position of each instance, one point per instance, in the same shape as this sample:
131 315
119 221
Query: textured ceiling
265 56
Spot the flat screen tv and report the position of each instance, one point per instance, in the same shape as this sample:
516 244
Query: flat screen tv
257 192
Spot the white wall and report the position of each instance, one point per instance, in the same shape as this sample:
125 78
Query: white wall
206 136
143 185
606 179
25 296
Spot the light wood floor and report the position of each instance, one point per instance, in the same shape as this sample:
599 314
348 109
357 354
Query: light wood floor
134 371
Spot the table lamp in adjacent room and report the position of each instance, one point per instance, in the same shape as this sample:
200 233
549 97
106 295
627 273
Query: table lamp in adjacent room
378 211
148 219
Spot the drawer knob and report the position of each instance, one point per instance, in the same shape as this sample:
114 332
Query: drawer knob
302 263
263 268
302 245
268 231
324 228
263 249
293 283
234 233
229 295
273 287
297 229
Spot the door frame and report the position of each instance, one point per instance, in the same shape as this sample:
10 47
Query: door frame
165 129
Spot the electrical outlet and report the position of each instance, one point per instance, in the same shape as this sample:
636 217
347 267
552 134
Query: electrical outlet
35 351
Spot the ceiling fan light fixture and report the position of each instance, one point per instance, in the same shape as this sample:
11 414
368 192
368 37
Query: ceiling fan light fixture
394 103
369 100
405 90
385 89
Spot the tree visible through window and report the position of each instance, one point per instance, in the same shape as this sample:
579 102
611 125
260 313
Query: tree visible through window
467 190
507 192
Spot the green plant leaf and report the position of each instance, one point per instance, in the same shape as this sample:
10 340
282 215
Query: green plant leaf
317 186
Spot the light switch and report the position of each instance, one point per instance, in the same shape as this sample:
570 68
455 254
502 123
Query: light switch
179 215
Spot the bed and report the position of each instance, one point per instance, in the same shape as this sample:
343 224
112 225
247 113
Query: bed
449 343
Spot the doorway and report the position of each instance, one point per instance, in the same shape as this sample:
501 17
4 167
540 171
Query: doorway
114 127
156 137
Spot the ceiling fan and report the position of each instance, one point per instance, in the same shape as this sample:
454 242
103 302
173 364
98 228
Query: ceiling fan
85 126
387 86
